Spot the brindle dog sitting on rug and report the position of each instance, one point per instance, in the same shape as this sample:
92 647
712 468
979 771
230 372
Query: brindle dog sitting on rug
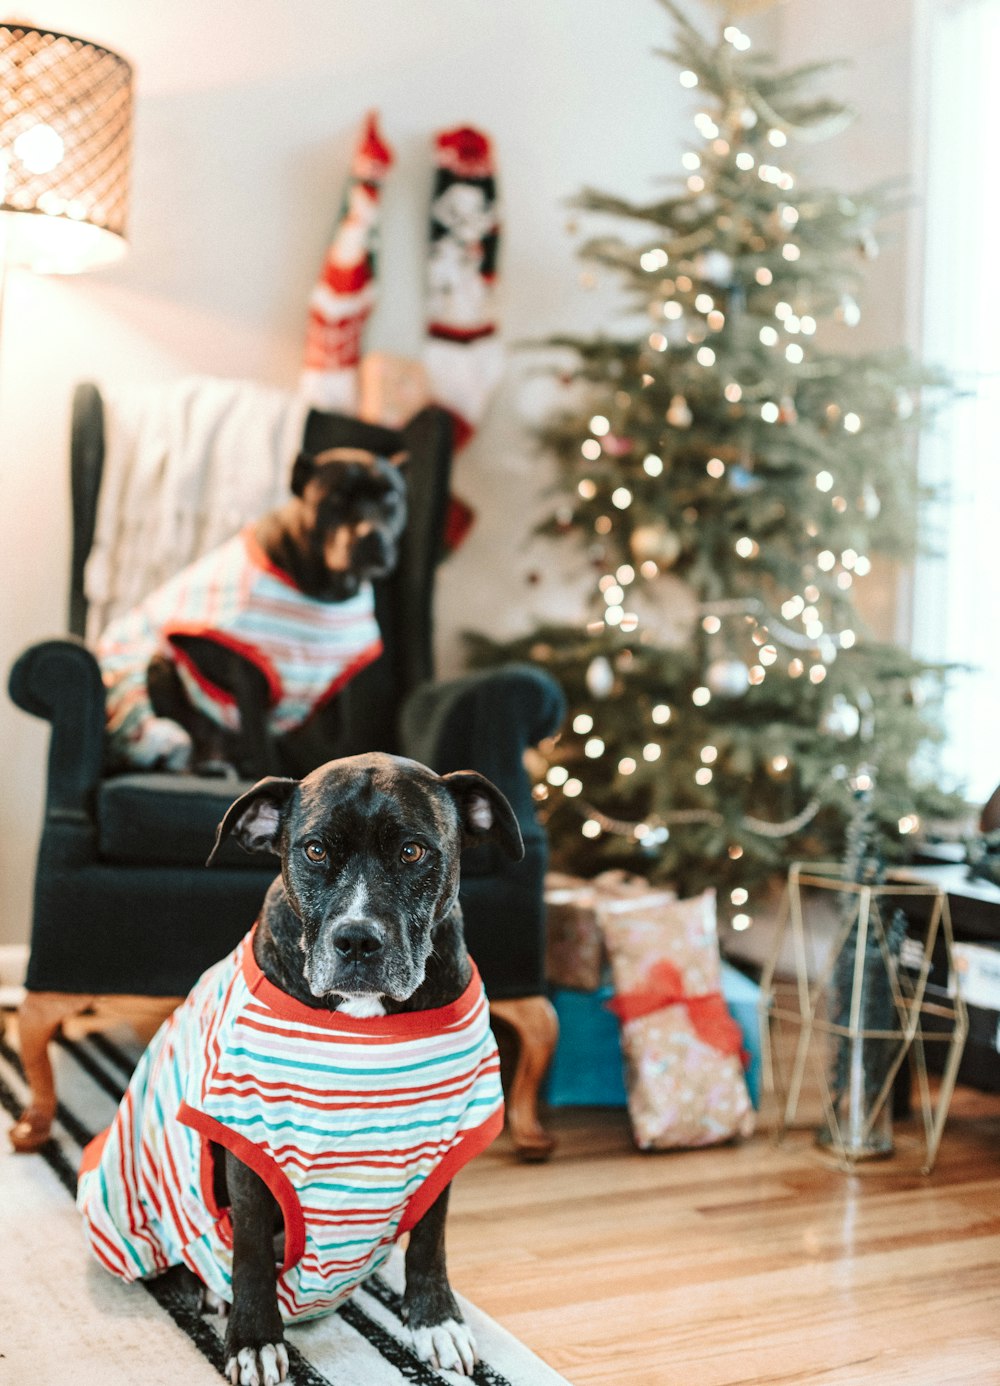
326 1080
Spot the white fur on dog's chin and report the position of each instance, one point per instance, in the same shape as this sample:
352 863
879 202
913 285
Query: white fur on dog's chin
447 1346
361 1007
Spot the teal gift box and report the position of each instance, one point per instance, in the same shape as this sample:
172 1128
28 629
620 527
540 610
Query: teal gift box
587 1069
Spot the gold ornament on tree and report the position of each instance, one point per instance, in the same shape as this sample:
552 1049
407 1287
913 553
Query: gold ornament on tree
655 543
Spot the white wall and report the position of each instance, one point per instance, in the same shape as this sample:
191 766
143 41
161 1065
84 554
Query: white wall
244 123
883 80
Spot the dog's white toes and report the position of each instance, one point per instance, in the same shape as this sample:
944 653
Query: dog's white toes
448 1346
268 1367
274 1362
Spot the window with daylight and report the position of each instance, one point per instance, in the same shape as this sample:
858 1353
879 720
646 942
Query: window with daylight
956 604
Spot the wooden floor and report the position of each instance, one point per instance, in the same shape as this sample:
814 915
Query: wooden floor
751 1263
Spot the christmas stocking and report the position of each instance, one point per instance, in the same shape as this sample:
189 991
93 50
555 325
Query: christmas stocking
345 292
462 354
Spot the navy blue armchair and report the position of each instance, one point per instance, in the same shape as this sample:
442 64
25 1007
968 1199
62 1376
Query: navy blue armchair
123 904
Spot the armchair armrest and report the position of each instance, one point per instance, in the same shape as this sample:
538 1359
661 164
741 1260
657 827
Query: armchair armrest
485 721
60 681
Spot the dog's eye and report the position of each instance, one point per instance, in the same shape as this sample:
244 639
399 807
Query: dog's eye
411 852
315 851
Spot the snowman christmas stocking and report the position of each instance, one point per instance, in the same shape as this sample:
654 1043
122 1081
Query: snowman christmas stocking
462 353
345 292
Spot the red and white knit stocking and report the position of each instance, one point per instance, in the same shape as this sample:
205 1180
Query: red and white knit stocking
462 353
345 292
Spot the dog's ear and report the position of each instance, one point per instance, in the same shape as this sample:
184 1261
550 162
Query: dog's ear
255 818
303 470
484 812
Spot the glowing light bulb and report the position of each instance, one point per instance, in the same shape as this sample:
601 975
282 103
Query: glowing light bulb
626 766
591 449
621 497
586 489
590 828
39 148
688 78
652 465
739 896
557 774
582 724
661 714
709 754
703 776
652 751
769 336
794 353
715 467
573 788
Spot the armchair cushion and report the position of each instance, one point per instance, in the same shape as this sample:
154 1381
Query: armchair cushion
167 820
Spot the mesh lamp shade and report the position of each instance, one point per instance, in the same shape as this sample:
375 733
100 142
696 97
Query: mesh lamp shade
65 150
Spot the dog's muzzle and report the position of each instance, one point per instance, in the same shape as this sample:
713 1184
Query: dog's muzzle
373 553
348 958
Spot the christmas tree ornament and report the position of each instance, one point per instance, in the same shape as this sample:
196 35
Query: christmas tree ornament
871 504
714 267
841 719
655 543
728 678
616 445
600 677
679 413
849 313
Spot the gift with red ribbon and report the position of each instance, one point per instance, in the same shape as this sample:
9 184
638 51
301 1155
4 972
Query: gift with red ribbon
683 1050
707 1012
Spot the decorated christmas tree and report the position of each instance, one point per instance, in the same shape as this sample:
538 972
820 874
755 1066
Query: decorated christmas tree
727 477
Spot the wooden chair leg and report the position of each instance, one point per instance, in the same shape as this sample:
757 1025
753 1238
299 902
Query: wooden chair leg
536 1026
39 1017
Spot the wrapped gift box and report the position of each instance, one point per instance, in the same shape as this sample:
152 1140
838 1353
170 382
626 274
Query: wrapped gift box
587 1068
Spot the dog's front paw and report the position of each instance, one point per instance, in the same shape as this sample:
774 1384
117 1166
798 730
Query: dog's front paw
447 1346
261 1366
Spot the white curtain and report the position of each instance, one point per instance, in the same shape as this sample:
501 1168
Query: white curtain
956 612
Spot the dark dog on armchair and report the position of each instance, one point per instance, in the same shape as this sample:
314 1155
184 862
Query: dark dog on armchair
247 642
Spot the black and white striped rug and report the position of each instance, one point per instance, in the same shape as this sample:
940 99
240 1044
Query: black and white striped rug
64 1319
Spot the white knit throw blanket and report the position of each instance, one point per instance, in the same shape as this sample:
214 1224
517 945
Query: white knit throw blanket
186 465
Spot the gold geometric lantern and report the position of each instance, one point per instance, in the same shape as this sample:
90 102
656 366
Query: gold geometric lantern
859 1006
65 151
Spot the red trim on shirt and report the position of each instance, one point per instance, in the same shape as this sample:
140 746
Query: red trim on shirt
366 657
91 1156
468 1146
405 1025
260 558
250 653
261 1163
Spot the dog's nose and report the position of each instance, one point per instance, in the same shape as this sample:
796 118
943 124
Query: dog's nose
357 941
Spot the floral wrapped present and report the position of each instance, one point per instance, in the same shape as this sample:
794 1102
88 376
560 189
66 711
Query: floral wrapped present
574 948
683 1050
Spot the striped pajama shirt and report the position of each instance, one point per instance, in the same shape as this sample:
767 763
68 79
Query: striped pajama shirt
355 1126
306 649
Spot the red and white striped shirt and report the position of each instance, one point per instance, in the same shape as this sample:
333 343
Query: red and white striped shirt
307 649
355 1126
